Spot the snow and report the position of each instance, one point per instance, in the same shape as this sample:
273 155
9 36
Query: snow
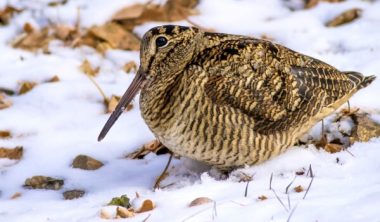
55 122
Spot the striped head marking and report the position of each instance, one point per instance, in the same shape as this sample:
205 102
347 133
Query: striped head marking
167 49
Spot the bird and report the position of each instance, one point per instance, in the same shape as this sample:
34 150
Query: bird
231 100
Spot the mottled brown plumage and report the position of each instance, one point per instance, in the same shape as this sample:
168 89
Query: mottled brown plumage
231 100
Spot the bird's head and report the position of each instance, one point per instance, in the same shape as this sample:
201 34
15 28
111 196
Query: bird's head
164 52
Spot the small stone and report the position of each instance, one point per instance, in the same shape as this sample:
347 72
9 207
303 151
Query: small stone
73 194
86 163
43 182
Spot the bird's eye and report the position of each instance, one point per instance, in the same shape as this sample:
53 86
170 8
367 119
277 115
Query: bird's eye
161 41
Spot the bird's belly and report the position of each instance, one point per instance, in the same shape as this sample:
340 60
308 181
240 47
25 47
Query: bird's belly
220 137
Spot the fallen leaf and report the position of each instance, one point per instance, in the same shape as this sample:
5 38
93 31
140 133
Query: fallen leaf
124 212
65 32
114 35
172 10
73 194
4 103
15 195
333 147
57 3
87 68
345 17
300 173
54 79
12 153
37 39
43 182
262 197
365 128
85 162
122 201
26 87
199 201
130 66
112 103
147 205
313 3
298 189
154 146
5 134
7 13
28 28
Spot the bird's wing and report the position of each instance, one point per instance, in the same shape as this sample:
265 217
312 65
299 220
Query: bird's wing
277 87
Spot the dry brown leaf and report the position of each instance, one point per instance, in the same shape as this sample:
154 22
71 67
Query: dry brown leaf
112 103
37 39
298 189
262 197
86 163
124 212
15 195
28 28
154 146
172 10
65 32
313 3
6 91
57 3
11 153
345 17
4 103
333 147
114 35
130 12
42 182
26 87
147 205
7 13
365 128
130 66
199 201
54 79
88 69
5 134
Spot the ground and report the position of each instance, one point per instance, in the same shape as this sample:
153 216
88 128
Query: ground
55 122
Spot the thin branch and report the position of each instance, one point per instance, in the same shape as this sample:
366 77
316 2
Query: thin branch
270 181
291 182
162 176
278 198
146 218
98 88
214 212
291 212
310 172
246 189
308 188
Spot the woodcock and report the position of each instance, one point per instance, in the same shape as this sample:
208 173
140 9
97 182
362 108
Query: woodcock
231 100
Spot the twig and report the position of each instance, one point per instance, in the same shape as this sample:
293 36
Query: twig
308 188
214 212
161 177
291 182
291 212
289 206
310 171
98 88
146 218
246 189
270 181
278 198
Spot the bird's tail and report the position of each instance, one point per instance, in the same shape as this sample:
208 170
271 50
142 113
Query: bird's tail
360 80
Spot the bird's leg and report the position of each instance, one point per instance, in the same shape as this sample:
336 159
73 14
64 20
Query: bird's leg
163 174
348 106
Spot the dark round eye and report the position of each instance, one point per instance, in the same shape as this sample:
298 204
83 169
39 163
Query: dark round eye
161 41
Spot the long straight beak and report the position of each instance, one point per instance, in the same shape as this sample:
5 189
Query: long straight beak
124 101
